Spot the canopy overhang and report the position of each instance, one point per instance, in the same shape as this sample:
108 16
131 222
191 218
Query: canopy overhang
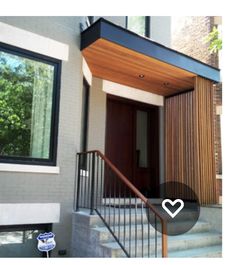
119 55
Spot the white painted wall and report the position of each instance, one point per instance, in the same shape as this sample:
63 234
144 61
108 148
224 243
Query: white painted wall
29 213
132 93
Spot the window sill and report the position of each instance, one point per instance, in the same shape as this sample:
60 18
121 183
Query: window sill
4 167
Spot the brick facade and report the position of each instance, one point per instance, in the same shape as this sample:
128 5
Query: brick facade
188 35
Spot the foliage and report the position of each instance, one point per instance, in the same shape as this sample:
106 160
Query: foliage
25 105
16 79
215 41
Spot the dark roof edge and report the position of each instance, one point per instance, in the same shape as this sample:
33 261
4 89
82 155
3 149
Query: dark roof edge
103 28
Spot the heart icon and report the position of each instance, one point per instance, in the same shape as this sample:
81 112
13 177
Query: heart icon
172 204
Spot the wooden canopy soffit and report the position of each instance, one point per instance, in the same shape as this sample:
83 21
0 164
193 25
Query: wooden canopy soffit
118 55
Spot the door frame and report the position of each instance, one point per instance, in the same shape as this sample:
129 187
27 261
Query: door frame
153 132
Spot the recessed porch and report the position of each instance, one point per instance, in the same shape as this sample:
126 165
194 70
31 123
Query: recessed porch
129 61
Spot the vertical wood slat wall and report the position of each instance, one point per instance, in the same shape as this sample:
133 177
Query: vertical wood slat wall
189 140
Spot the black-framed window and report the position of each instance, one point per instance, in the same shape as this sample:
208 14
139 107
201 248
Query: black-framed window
29 106
139 25
85 113
90 20
18 241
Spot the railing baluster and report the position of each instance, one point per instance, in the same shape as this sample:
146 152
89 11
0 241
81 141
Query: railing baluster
135 226
101 185
130 214
105 191
114 207
110 180
148 232
92 185
97 178
142 224
83 177
87 179
155 226
97 181
119 213
124 225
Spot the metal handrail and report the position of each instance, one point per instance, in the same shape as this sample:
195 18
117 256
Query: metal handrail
93 166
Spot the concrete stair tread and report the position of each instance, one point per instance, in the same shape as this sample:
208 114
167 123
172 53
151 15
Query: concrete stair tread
181 238
200 226
201 241
211 251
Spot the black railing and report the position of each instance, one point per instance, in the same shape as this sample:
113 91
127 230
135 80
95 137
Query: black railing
126 212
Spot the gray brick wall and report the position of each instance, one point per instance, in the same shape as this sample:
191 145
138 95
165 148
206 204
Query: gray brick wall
28 187
188 36
32 188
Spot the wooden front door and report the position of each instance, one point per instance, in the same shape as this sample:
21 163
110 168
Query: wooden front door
132 144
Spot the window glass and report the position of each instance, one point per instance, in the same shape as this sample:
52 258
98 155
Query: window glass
137 24
142 138
21 241
26 92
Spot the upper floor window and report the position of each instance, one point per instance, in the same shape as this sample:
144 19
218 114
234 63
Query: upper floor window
139 25
29 98
90 20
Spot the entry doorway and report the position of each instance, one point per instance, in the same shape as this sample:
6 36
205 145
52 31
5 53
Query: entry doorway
132 142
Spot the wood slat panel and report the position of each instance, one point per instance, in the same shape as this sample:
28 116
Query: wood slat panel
113 62
189 145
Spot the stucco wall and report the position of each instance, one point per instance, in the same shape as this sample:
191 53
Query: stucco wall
54 188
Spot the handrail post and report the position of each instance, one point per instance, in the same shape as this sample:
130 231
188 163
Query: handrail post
92 185
164 239
78 160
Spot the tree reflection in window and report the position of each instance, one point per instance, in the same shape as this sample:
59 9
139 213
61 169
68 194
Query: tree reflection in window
26 89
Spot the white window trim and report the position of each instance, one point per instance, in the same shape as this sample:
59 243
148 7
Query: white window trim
5 167
86 72
33 42
36 43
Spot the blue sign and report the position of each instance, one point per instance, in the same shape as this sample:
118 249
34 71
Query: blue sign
46 242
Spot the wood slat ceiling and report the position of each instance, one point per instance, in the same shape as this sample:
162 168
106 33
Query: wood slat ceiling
116 63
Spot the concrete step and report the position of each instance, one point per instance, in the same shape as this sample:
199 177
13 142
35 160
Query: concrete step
200 241
206 252
123 216
128 232
175 243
